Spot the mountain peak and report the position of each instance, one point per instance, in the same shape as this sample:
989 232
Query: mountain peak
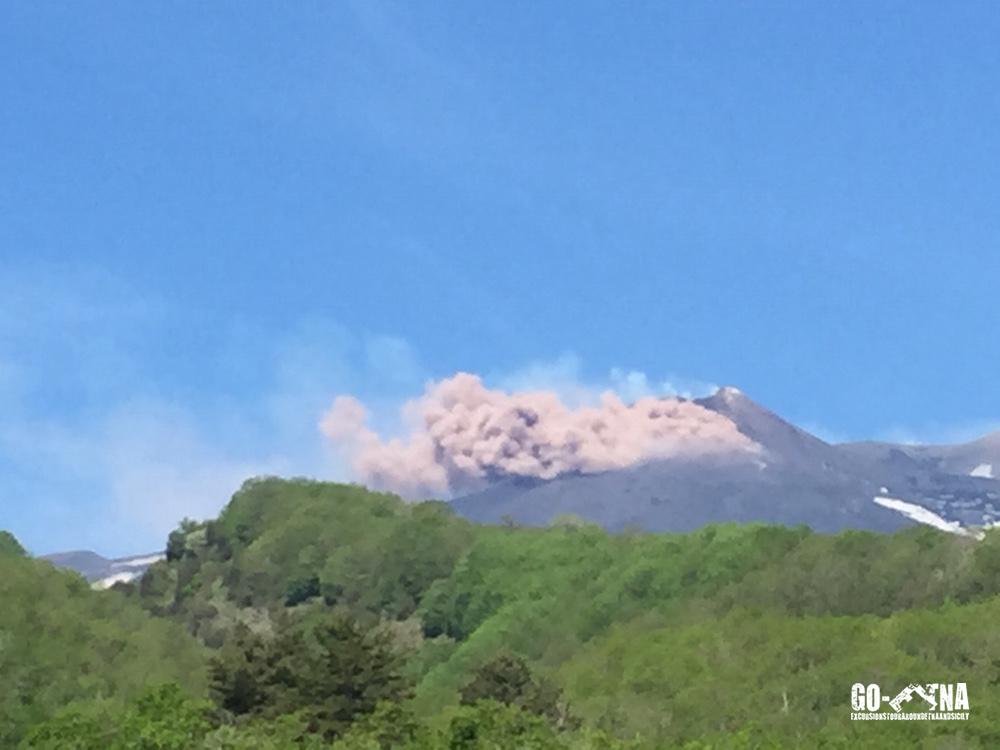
730 401
729 392
732 397
779 437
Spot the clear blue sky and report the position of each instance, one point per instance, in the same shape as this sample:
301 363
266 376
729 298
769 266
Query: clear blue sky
214 217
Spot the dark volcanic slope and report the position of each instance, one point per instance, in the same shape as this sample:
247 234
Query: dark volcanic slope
799 480
785 443
680 496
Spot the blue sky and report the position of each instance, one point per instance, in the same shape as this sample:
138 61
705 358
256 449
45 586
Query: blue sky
216 217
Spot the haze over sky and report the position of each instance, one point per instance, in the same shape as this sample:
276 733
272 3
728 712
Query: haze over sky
215 217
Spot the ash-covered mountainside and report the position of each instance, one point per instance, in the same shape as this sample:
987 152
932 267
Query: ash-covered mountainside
792 478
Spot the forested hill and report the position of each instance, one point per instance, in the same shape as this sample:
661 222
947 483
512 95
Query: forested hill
339 618
672 636
61 642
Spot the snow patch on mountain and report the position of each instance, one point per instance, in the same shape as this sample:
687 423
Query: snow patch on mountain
143 561
126 570
922 515
124 577
101 572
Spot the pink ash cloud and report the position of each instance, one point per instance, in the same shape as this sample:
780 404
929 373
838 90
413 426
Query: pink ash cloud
463 434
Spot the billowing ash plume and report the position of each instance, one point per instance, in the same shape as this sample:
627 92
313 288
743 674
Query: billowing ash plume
464 434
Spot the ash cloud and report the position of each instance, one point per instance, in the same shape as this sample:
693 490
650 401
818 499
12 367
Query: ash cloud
463 434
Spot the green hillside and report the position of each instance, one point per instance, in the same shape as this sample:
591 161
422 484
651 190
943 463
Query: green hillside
337 615
62 643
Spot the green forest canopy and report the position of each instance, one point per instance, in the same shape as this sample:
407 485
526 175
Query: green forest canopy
61 642
732 634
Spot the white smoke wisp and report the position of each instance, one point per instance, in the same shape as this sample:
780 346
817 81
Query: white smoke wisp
463 434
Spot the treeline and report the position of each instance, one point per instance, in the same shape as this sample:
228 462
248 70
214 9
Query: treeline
336 617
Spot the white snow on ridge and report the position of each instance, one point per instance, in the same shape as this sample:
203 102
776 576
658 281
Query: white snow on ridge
106 583
129 569
922 515
983 470
135 562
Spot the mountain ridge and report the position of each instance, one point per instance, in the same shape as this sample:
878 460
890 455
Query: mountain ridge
102 572
797 479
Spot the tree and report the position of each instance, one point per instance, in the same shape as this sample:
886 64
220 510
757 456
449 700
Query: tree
391 726
489 725
507 679
239 674
351 673
331 673
9 545
161 718
164 718
301 590
73 729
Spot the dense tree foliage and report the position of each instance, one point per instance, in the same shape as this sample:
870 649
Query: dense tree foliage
507 679
330 673
9 545
61 642
342 618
